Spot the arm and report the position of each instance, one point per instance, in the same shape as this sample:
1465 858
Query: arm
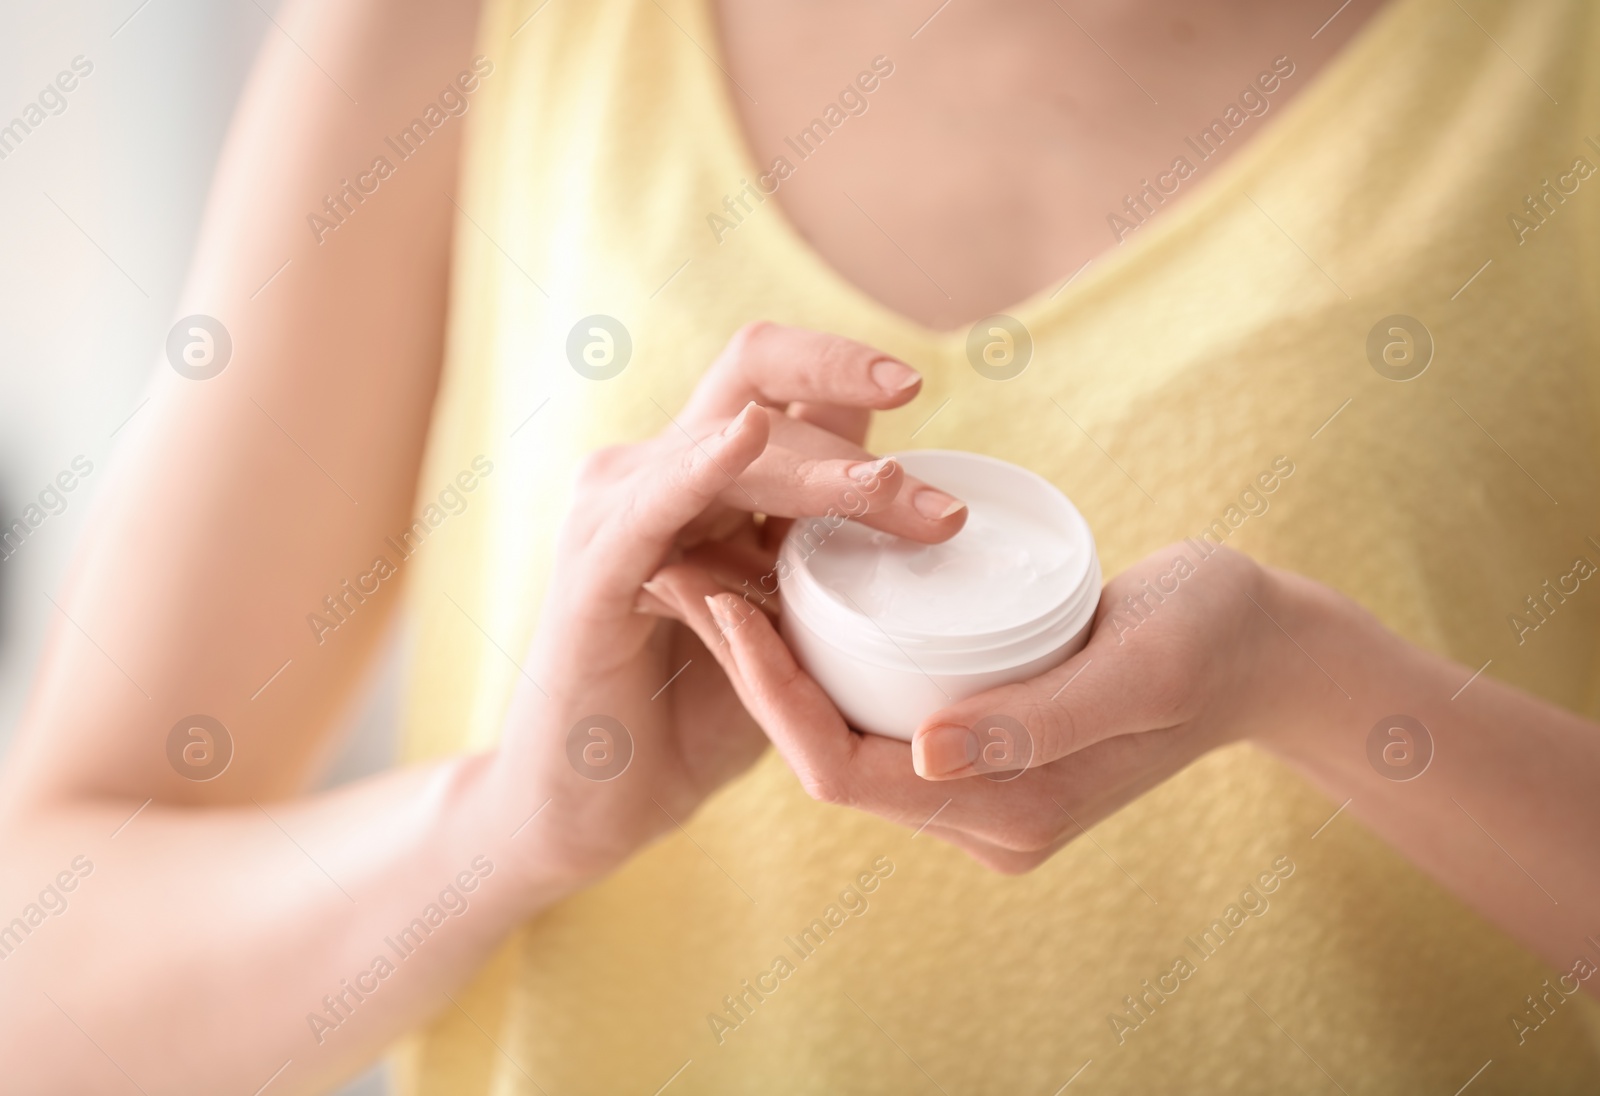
215 936
1505 815
1212 664
192 951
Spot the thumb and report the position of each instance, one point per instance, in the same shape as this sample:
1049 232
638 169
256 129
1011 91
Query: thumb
1086 699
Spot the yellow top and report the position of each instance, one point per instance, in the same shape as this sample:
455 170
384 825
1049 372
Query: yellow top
1227 337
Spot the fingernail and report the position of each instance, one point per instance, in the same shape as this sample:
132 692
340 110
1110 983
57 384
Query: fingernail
894 376
653 595
720 613
944 750
870 471
738 421
935 505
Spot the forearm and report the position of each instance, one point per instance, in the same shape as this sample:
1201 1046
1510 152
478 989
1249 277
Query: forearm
202 948
243 584
1505 813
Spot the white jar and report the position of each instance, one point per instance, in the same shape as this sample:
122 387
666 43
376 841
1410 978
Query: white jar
894 630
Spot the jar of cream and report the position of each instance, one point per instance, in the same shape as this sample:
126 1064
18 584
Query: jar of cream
894 630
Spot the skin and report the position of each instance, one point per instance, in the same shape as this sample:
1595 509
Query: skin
220 913
983 169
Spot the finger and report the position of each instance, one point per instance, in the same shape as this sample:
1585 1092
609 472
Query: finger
733 558
785 483
834 763
653 600
849 423
1041 810
1101 693
742 569
1007 728
801 721
790 434
775 365
661 499
996 858
678 591
717 522
684 587
807 471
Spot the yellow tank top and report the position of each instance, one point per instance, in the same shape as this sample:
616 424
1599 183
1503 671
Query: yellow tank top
1440 169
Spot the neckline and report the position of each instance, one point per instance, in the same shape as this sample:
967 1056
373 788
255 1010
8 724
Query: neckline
1056 297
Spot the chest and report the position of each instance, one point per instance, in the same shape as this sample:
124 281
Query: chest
992 149
1297 358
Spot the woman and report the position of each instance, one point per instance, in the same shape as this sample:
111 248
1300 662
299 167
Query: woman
1302 298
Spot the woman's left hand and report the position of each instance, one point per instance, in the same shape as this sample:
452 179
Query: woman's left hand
1178 663
1195 647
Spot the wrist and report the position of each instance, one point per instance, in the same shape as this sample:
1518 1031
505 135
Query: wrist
501 826
1308 647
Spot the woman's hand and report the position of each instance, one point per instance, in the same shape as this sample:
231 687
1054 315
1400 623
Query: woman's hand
1171 670
1192 648
626 723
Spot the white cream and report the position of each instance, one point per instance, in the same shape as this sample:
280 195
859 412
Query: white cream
993 574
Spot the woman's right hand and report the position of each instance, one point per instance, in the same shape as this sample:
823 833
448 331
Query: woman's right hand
623 722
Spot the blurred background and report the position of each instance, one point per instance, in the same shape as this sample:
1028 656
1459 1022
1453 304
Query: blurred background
99 207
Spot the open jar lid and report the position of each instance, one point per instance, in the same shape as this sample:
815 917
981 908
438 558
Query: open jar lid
1020 578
